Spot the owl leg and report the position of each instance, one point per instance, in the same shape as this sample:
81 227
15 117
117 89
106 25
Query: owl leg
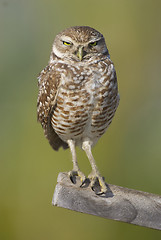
76 171
95 175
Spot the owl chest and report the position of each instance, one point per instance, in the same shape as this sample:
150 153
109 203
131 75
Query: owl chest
78 107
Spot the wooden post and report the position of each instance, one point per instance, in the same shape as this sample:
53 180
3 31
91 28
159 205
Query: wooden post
122 204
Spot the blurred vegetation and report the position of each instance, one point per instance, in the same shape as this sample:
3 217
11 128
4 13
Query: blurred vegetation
129 154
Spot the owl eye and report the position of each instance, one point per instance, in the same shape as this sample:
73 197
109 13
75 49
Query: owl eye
66 43
93 43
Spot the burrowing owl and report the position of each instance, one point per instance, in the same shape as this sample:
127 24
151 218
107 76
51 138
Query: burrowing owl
78 95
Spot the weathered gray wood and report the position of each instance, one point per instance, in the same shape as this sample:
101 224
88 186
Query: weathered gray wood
119 203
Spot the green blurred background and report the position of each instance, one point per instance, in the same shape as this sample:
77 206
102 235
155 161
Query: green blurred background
129 154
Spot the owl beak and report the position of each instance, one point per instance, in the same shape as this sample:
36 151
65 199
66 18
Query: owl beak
80 53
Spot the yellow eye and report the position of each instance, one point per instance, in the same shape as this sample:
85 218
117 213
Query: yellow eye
66 43
93 44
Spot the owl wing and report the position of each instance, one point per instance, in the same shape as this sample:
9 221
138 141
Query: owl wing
48 83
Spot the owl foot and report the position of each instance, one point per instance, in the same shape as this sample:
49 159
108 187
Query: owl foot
74 173
97 184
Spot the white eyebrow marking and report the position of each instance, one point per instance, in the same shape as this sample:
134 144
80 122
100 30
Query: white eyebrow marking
66 39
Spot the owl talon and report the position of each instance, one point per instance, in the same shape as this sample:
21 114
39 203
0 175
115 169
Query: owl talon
98 184
72 178
83 183
74 173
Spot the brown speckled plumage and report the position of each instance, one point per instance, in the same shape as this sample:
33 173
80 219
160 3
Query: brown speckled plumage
78 95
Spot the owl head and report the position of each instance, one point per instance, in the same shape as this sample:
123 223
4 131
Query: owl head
79 44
